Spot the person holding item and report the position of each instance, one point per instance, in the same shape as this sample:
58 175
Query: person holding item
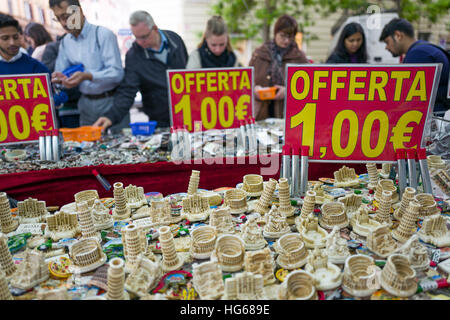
269 61
38 38
214 51
351 46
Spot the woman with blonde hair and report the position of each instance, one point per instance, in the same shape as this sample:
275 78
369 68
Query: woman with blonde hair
214 51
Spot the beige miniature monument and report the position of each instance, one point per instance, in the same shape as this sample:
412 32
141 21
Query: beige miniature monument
311 233
86 255
351 202
435 162
87 195
373 175
260 262
5 294
207 280
345 177
160 213
253 184
144 277
31 271
203 242
416 252
6 260
196 208
31 211
298 285
428 206
333 215
327 275
308 204
362 224
383 214
229 252
276 224
171 261
54 294
116 280
193 182
285 207
135 196
434 230
321 197
236 200
102 218
265 201
86 221
337 249
134 243
398 277
386 185
121 211
252 235
360 276
407 197
7 222
380 241
386 170
407 225
62 225
244 286
221 219
292 253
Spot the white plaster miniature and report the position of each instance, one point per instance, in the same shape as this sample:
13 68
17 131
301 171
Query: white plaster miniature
252 235
434 230
196 208
253 184
161 213
337 249
31 211
383 214
416 252
260 262
265 201
327 275
380 241
333 214
207 280
292 253
144 277
386 170
86 221
308 204
229 252
435 162
116 280
193 182
352 202
236 200
87 195
321 197
203 242
102 219
310 231
244 286
362 224
6 261
5 294
373 175
407 197
361 277
345 177
7 222
62 225
171 260
86 255
428 206
221 219
134 243
386 185
54 294
408 224
276 224
31 271
121 211
135 196
298 285
285 207
398 277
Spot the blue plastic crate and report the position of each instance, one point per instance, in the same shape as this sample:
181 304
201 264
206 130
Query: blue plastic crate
143 128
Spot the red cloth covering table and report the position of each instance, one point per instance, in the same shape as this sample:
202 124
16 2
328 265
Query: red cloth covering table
57 187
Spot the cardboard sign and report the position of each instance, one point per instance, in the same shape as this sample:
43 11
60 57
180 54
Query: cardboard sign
358 113
207 99
26 107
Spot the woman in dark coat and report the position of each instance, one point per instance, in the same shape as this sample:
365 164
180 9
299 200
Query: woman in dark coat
351 46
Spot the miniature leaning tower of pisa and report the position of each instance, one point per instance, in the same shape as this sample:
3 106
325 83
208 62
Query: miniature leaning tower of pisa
5 294
121 211
263 205
408 196
285 199
384 210
8 224
373 175
194 182
116 280
308 204
6 261
171 261
132 245
86 221
408 223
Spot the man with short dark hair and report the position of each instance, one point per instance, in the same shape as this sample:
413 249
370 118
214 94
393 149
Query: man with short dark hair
95 48
12 60
399 37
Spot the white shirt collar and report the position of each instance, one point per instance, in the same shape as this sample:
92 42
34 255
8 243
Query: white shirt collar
14 59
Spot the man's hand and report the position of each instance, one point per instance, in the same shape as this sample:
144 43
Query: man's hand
281 92
103 122
76 79
58 77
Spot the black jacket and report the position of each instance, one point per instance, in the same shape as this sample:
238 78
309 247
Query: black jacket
337 58
147 74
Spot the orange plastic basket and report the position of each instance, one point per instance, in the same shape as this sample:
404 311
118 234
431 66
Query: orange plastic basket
82 134
267 93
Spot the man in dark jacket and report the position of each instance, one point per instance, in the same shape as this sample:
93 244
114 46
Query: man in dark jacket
152 54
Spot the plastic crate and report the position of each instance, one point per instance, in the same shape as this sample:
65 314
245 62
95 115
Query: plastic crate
81 134
143 128
267 93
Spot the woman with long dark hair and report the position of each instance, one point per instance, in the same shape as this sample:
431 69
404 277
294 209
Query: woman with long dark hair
351 46
38 38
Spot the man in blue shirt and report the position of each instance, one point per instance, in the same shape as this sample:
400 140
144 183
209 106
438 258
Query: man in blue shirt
96 48
12 60
398 35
